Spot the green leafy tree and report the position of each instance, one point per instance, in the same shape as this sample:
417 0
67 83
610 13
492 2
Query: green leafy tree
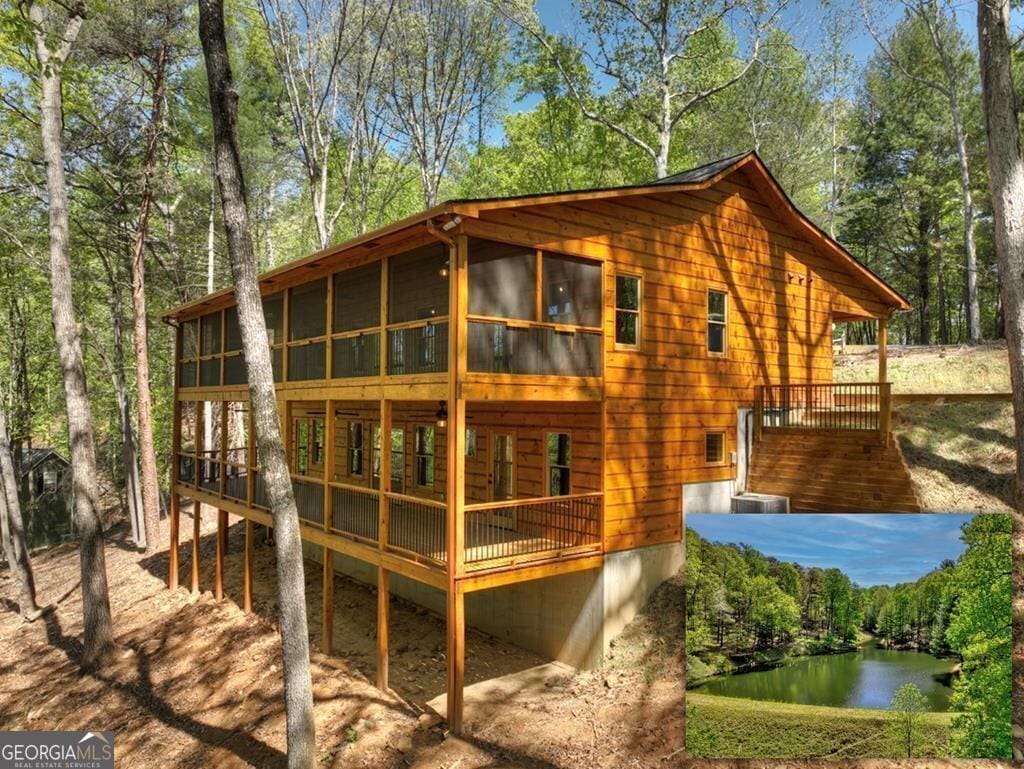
907 707
980 630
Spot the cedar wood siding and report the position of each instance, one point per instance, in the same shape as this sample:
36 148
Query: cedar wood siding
660 398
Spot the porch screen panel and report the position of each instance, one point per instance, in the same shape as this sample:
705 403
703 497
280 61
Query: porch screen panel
572 290
418 284
273 315
307 361
502 280
356 356
307 310
357 298
234 363
232 333
210 334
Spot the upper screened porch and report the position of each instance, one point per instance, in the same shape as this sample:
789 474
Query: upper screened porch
526 316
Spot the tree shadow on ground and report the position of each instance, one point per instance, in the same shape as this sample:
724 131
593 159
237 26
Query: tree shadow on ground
142 692
979 477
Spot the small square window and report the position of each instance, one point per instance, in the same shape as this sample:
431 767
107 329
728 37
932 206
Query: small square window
714 448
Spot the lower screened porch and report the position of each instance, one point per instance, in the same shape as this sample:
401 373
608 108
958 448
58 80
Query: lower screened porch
531 477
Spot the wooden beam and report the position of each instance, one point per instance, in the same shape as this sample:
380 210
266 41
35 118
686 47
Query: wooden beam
883 351
456 655
174 522
939 398
174 513
247 566
196 507
383 603
218 576
383 511
327 629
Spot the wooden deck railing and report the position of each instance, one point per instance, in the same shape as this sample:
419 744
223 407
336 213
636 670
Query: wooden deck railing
417 527
862 406
527 527
497 534
355 511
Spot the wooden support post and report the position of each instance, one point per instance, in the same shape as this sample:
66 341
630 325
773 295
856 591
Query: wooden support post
247 566
218 577
884 412
173 523
883 345
174 511
327 625
196 515
884 390
456 655
384 508
383 602
758 411
456 478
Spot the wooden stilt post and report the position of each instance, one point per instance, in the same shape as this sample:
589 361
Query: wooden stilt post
174 511
173 524
247 566
327 629
218 576
883 351
456 478
456 655
383 524
884 390
383 602
196 515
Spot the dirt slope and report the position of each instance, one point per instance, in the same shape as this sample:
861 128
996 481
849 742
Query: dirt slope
200 682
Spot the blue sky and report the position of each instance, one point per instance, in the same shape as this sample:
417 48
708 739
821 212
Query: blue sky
871 549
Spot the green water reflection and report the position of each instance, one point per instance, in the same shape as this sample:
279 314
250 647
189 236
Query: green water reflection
866 678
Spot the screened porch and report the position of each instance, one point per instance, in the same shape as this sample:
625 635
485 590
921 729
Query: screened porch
532 485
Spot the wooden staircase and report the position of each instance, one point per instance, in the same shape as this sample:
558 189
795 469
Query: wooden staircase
833 471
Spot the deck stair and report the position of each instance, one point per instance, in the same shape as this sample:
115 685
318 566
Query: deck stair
833 471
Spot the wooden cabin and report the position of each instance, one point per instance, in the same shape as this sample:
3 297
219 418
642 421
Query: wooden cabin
502 408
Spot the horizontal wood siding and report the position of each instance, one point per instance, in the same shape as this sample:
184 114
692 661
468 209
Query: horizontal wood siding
783 295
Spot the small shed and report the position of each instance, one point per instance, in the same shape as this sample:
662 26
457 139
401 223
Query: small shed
46 496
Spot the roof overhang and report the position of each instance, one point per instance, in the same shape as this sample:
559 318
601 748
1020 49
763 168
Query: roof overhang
696 179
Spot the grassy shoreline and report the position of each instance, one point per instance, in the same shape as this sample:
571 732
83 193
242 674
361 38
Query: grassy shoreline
731 727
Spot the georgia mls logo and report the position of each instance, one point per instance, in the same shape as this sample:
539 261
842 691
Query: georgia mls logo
56 750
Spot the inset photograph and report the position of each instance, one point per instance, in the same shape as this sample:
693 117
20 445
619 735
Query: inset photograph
848 636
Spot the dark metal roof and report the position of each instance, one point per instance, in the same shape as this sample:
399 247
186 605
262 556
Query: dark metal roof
31 458
692 176
704 172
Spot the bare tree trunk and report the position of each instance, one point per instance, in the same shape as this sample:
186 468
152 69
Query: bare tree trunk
133 488
1006 183
150 483
10 510
298 690
99 634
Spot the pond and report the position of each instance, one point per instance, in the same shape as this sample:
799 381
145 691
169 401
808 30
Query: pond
866 678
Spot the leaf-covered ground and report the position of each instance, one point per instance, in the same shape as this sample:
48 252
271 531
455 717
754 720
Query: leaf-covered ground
199 684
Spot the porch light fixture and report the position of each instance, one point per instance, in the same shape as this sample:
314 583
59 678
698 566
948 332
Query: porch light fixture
443 272
442 415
